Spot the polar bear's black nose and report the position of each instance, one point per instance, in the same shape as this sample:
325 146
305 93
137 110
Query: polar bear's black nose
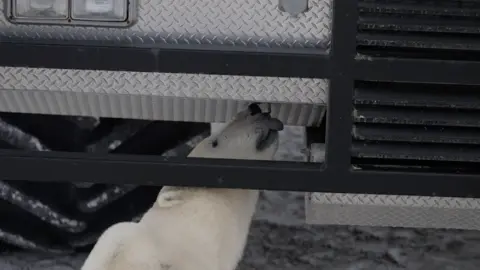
254 109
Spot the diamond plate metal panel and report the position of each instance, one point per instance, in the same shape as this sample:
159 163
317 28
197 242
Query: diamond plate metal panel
393 211
273 89
251 23
164 96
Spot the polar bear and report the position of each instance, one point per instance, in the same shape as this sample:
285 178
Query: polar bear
194 228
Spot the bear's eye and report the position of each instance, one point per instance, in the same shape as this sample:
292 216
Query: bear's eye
214 143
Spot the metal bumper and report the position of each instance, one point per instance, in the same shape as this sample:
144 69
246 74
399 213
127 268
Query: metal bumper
392 211
158 96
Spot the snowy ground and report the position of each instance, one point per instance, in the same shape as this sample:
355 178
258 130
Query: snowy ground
279 239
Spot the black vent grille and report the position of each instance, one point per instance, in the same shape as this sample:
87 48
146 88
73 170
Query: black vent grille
416 126
446 29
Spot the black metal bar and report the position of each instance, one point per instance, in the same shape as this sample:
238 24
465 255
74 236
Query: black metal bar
417 70
410 183
62 167
267 62
339 123
150 170
175 59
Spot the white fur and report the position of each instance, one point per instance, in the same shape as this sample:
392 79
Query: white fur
190 228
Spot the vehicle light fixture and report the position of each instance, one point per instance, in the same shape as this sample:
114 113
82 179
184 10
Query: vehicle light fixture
41 9
100 13
100 10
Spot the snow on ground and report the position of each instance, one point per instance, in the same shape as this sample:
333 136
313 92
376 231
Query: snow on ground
280 239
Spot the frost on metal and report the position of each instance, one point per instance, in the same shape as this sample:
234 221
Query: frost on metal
39 209
20 241
19 139
104 198
118 135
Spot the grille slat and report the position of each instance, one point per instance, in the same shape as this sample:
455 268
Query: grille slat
407 116
412 95
419 28
390 22
423 126
418 152
422 134
442 9
419 41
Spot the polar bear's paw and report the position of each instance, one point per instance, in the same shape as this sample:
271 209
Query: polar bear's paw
170 196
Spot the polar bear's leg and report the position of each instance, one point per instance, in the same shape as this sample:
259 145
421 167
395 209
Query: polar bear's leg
107 246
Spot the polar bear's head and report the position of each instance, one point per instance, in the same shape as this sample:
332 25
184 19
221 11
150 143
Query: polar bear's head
252 134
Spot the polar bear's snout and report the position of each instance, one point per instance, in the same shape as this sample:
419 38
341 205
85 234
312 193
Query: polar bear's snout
252 134
254 108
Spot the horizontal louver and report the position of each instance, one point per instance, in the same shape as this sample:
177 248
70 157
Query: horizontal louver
430 29
435 127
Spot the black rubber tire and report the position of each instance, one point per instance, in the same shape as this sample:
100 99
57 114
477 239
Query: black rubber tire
68 217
